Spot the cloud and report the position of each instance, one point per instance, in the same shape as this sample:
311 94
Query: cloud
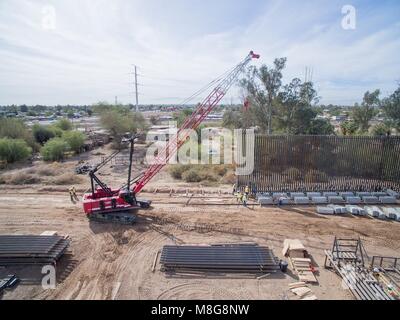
179 46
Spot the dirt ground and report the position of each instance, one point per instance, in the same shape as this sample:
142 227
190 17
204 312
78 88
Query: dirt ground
115 262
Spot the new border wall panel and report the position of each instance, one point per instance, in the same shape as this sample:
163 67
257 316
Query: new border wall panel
289 163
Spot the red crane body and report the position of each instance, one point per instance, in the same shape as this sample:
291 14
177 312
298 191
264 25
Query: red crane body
100 201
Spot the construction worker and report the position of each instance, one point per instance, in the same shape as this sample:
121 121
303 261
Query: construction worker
280 201
244 199
234 189
71 194
74 193
238 196
247 190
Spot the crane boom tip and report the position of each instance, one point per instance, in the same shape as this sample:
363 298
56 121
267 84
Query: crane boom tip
254 55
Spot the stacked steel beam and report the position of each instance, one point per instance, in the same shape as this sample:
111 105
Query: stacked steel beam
235 258
31 249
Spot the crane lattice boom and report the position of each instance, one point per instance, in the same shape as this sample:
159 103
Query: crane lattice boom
192 122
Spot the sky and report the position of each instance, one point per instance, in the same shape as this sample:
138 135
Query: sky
83 51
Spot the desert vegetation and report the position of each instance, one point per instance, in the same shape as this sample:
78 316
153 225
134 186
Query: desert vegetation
207 174
48 174
18 142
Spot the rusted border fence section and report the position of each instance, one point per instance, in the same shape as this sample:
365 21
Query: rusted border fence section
324 163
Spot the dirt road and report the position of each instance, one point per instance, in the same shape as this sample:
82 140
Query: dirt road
115 262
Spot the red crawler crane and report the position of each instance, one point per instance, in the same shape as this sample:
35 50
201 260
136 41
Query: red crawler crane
108 204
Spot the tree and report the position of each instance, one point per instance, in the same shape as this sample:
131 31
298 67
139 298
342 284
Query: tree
54 149
261 88
348 128
16 129
295 111
12 150
368 109
381 129
64 124
121 121
154 120
75 140
320 127
232 119
181 116
42 133
391 108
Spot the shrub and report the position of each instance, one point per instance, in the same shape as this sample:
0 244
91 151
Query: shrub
12 150
42 133
229 178
64 124
206 175
191 175
67 178
220 170
23 178
177 170
54 149
16 129
49 169
57 132
75 140
381 129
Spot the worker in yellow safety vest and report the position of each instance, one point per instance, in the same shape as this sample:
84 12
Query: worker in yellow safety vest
244 200
72 194
238 196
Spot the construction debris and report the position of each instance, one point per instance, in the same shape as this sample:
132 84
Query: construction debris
387 272
347 259
302 290
153 268
230 258
31 249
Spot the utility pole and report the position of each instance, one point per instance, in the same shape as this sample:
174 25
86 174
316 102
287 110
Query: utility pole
136 91
116 100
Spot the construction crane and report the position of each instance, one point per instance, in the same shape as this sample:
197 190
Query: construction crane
104 203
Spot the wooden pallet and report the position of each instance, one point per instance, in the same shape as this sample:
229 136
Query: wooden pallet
303 269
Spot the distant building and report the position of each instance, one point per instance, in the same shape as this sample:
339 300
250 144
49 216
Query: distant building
339 118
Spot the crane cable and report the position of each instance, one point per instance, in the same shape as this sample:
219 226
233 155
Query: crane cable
206 87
